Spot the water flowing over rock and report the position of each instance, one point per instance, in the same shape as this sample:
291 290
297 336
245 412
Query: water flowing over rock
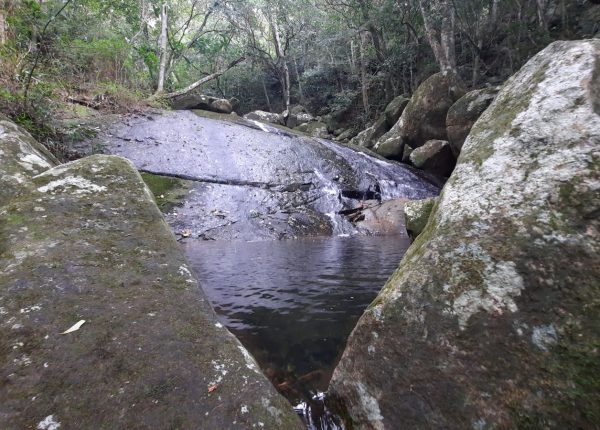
248 180
491 320
101 322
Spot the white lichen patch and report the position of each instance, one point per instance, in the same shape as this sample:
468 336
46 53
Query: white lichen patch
28 309
494 292
275 412
370 406
23 360
544 336
250 362
184 271
76 184
34 163
48 423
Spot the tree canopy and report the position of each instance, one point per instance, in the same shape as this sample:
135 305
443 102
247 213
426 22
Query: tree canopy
324 54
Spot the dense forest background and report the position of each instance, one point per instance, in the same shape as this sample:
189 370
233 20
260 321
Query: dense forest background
119 55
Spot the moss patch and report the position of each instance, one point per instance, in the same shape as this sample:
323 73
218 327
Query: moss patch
168 192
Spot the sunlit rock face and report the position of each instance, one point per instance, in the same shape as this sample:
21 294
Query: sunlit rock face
491 320
83 246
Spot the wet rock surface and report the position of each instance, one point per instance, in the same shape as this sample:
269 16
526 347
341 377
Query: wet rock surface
85 247
249 180
491 320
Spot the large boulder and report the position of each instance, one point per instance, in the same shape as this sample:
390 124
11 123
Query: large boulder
314 129
369 136
434 157
85 248
221 106
463 114
492 319
263 116
423 118
394 110
192 100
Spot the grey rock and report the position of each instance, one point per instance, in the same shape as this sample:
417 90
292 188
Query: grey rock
416 214
262 116
435 157
86 242
423 118
506 267
463 114
221 106
394 110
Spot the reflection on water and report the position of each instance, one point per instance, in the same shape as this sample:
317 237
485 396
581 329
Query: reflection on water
294 303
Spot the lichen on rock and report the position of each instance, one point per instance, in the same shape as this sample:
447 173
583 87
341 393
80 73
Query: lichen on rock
491 320
84 241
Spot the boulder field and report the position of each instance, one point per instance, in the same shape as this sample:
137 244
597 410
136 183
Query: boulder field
492 320
102 324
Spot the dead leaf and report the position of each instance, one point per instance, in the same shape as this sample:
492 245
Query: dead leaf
75 327
212 387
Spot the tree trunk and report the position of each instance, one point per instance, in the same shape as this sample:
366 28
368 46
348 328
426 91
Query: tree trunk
266 94
441 40
363 73
162 44
300 93
285 70
541 13
3 36
204 80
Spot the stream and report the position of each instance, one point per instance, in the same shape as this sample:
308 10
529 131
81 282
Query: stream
294 303
242 188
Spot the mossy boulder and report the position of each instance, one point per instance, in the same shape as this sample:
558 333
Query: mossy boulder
424 117
368 137
262 116
463 114
85 242
394 109
221 106
434 157
314 129
416 215
21 158
492 320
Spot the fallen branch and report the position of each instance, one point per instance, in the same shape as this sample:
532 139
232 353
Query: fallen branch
204 80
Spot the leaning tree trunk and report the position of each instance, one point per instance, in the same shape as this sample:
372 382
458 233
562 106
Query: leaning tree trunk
441 39
162 43
204 80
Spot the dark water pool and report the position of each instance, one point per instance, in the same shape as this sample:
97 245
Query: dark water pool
294 303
